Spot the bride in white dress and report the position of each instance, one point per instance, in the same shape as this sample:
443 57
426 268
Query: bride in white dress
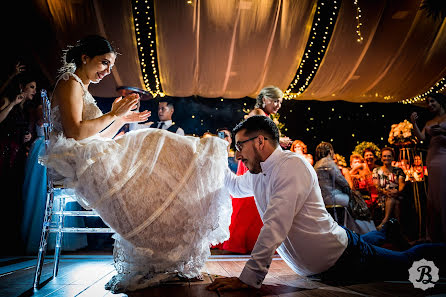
162 193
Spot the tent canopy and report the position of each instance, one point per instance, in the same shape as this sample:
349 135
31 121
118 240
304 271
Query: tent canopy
233 48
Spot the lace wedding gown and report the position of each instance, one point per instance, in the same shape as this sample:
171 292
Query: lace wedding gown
160 192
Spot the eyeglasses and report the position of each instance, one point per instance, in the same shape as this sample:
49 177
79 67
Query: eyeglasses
239 144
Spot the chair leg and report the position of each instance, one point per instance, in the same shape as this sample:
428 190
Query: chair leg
59 238
44 238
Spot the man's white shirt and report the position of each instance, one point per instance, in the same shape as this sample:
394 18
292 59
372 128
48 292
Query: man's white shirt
296 223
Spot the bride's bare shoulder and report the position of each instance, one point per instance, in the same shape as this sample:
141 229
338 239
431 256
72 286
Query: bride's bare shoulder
67 88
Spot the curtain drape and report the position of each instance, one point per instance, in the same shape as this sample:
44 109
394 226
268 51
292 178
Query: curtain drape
401 56
233 48
113 19
230 48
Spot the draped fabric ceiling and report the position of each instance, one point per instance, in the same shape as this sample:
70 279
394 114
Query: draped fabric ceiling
233 48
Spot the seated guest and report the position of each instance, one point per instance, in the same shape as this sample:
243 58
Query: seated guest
362 180
298 146
336 190
369 156
390 182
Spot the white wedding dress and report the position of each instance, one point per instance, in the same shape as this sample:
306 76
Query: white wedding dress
163 194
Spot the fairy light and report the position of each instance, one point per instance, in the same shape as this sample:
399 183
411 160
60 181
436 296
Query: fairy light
315 48
143 16
358 21
439 87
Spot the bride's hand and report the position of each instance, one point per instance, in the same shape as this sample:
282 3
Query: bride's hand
123 106
136 116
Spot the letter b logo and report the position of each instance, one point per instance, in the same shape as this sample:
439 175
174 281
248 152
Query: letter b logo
423 274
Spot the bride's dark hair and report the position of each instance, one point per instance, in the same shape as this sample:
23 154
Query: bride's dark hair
92 46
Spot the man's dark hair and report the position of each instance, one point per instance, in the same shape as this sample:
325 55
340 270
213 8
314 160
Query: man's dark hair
168 101
259 124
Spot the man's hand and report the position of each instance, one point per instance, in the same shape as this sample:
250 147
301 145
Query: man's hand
227 284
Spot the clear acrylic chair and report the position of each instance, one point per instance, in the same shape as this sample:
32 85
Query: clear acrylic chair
55 213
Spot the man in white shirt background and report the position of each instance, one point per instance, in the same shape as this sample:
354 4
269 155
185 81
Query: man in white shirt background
165 112
296 223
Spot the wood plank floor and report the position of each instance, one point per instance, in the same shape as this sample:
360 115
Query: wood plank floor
85 275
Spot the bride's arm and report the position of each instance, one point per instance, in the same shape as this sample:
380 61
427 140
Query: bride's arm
69 98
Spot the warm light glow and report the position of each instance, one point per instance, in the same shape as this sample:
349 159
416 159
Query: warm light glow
147 39
299 73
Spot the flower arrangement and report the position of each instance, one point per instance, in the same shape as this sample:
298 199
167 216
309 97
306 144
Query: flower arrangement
359 149
341 160
401 134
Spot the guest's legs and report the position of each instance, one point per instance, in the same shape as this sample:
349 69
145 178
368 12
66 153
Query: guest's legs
390 205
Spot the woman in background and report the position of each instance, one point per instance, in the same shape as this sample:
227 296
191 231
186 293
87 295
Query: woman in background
298 146
390 182
435 130
16 134
245 220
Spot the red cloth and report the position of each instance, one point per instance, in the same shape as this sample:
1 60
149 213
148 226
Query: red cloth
245 223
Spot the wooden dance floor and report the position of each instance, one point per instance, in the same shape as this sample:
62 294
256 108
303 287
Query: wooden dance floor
85 275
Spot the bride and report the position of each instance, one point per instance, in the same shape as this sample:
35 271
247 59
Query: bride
166 207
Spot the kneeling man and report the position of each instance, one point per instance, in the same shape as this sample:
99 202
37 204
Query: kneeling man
296 223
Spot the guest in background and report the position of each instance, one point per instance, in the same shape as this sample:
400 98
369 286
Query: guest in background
298 146
390 182
435 129
418 170
225 134
370 158
336 190
363 181
245 220
16 134
165 112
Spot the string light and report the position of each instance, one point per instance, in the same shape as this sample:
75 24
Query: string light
358 21
144 20
439 87
313 55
